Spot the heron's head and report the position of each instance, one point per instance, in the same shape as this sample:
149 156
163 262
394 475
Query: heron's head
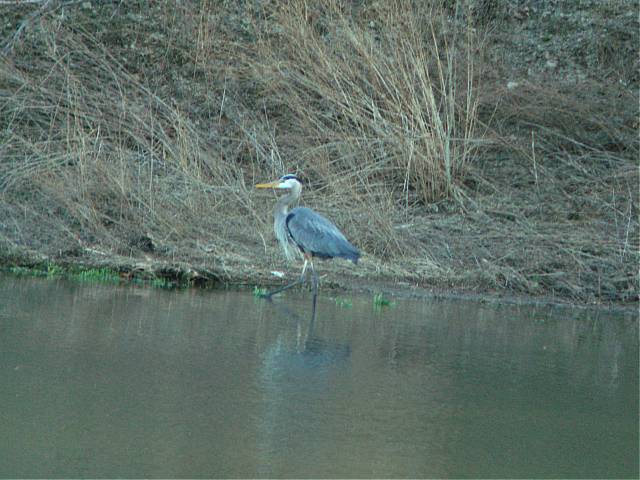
288 182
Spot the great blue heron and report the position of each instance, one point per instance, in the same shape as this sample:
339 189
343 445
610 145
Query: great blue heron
307 231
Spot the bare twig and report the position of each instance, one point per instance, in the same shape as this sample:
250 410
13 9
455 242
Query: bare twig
23 24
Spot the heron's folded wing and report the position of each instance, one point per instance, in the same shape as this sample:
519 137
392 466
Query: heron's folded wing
315 234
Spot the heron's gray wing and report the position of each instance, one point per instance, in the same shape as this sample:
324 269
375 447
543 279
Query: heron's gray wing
314 234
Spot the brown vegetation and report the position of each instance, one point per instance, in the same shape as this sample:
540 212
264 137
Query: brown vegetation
131 134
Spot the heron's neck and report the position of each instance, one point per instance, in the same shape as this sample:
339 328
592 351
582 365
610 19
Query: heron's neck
280 219
283 204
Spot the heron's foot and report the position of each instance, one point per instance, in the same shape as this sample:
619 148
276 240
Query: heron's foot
263 293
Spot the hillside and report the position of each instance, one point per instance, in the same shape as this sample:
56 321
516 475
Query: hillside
477 146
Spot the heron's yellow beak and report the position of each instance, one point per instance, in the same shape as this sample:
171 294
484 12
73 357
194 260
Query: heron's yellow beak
268 185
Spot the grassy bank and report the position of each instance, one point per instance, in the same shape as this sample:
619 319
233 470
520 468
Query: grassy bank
85 274
460 145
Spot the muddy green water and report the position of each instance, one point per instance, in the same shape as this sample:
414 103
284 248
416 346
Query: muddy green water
126 382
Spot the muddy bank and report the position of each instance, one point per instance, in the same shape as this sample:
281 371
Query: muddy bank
341 279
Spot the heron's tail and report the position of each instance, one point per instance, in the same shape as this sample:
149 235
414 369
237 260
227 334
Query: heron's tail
353 254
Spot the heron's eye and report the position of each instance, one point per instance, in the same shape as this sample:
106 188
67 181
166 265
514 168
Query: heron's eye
286 178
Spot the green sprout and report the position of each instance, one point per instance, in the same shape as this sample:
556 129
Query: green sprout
380 301
343 302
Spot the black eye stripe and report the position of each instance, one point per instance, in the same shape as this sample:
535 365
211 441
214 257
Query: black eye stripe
289 177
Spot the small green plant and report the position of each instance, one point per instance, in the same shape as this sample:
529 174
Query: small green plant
343 302
161 282
54 271
92 275
259 291
155 282
380 301
35 271
22 271
95 275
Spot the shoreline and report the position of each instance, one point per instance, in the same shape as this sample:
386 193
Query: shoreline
155 273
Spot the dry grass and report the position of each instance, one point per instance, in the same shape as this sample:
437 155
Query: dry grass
395 95
568 189
94 146
125 123
384 109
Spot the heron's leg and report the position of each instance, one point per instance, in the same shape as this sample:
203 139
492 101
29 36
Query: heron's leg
292 284
314 286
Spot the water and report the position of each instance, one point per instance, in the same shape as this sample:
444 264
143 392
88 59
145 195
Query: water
124 382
